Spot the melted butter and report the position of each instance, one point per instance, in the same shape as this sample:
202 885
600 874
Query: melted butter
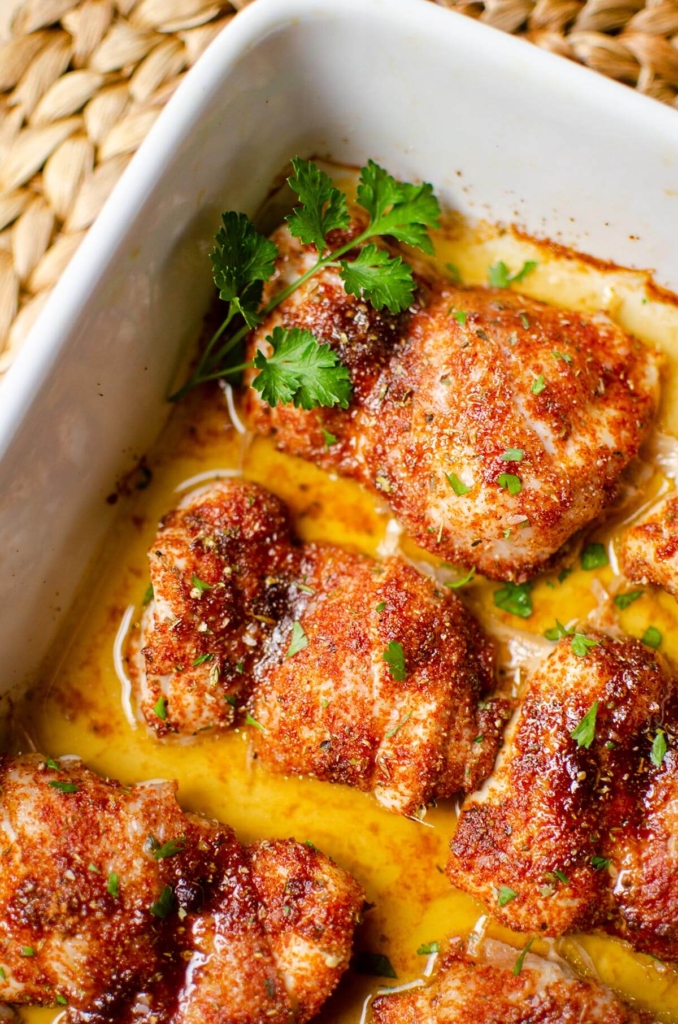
78 708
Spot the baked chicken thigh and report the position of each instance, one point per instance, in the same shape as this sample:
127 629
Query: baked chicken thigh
483 987
119 907
649 550
494 426
576 827
348 669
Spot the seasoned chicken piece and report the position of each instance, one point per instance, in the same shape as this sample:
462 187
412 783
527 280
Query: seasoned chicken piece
494 434
118 906
353 670
649 550
482 987
576 826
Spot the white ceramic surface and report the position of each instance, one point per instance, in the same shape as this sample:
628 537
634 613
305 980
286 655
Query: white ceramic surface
501 128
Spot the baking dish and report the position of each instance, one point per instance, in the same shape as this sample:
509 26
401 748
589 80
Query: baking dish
503 130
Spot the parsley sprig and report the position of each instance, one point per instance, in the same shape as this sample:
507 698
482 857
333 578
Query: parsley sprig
300 370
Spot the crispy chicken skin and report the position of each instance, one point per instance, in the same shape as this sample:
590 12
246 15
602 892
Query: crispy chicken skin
98 914
649 549
482 988
335 708
573 837
432 396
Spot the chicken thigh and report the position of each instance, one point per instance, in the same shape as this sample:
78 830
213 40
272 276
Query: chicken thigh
576 827
649 549
351 670
494 426
119 907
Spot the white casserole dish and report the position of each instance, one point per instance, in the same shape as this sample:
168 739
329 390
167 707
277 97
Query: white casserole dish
503 130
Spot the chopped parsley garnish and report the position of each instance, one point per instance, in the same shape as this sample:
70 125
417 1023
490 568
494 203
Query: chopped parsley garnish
561 876
651 637
199 584
381 606
594 556
524 321
538 385
581 644
510 482
585 732
231 699
513 455
460 316
427 948
311 846
64 787
600 863
515 598
113 886
2 974
396 728
562 355
61 1000
395 659
499 276
170 849
240 667
454 272
49 763
505 895
27 951
160 708
299 369
659 748
558 631
521 959
328 438
148 595
457 485
455 584
622 601
374 964
162 906
249 720
94 869
298 640
201 659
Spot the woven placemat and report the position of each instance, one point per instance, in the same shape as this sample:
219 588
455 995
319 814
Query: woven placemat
82 81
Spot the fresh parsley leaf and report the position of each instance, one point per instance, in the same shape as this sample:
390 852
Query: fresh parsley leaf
651 637
505 895
659 748
600 863
162 906
581 645
557 631
249 720
374 964
427 948
524 319
231 698
397 208
562 355
513 455
148 596
160 708
113 885
457 485
328 438
49 763
199 584
395 659
561 876
396 728
27 951
455 584
170 849
61 1000
623 601
301 371
510 482
201 659
521 959
323 206
499 276
64 787
298 640
538 385
515 598
242 260
381 606
460 316
594 556
585 732
382 279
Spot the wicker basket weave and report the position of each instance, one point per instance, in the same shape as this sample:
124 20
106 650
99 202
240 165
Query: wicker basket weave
82 81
